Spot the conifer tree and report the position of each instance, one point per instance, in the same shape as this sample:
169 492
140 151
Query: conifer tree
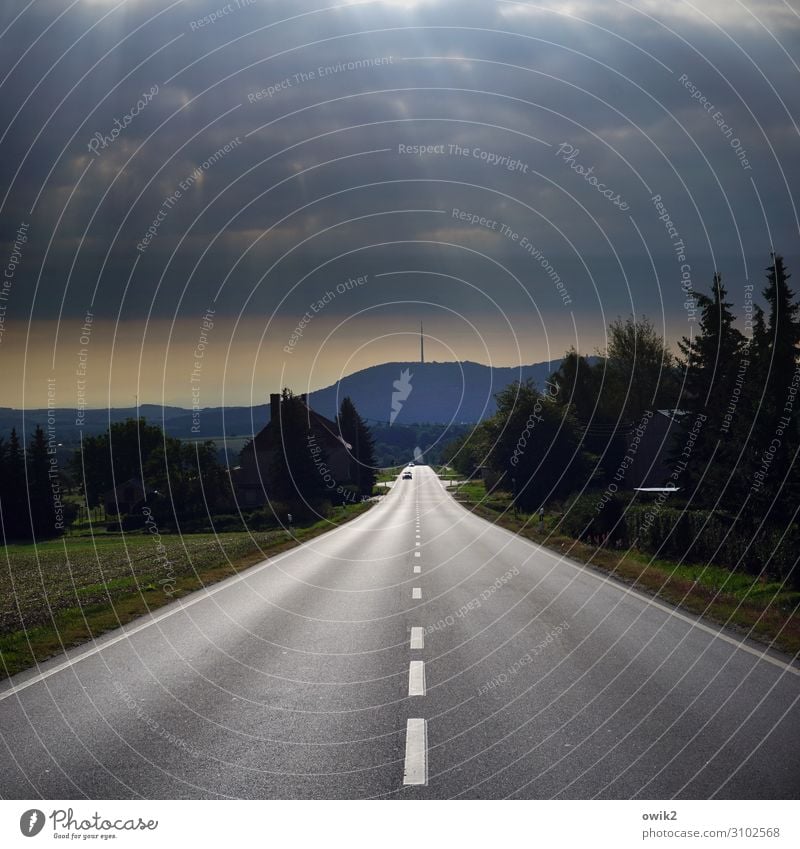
766 434
714 362
13 497
782 340
40 497
354 430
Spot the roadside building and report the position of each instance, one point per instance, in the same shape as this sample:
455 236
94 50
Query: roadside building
125 498
251 477
651 448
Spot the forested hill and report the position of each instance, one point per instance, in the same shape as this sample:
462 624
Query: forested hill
432 392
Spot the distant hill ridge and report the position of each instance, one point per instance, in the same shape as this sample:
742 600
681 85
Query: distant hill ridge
436 393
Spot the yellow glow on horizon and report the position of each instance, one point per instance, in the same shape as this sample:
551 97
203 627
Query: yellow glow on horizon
237 367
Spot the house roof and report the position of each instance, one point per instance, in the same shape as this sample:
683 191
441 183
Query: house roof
331 427
317 421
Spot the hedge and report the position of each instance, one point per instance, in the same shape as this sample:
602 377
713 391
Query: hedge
693 536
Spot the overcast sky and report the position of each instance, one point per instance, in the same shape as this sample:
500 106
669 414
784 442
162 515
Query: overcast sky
163 161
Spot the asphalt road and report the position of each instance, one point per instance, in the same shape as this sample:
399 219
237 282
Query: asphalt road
525 676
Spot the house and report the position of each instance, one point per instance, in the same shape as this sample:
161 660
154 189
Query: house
256 458
124 498
649 450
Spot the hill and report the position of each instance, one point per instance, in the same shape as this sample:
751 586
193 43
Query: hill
432 393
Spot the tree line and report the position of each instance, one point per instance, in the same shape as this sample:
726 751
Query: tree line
183 483
32 489
733 454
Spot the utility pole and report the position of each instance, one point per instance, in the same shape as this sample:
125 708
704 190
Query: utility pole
421 346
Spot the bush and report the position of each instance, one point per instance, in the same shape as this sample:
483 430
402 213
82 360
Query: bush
704 536
132 521
228 523
349 495
594 516
263 520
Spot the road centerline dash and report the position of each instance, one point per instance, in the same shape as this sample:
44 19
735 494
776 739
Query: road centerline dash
416 678
416 762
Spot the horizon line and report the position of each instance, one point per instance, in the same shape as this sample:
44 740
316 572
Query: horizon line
265 402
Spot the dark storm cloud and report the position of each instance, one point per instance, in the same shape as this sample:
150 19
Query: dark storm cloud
484 76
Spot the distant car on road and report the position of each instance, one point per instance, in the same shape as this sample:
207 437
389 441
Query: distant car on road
407 476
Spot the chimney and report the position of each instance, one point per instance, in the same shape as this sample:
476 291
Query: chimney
274 406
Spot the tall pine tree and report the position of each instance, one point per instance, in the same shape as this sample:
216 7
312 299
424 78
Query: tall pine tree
768 417
782 384
13 499
40 495
3 479
782 340
715 363
354 430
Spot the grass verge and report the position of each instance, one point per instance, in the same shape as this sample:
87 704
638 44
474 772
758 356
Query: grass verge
760 609
61 593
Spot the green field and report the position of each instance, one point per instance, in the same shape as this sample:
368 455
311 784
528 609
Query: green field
63 592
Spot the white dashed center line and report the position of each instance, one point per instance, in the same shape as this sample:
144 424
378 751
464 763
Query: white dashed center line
416 765
416 678
416 762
